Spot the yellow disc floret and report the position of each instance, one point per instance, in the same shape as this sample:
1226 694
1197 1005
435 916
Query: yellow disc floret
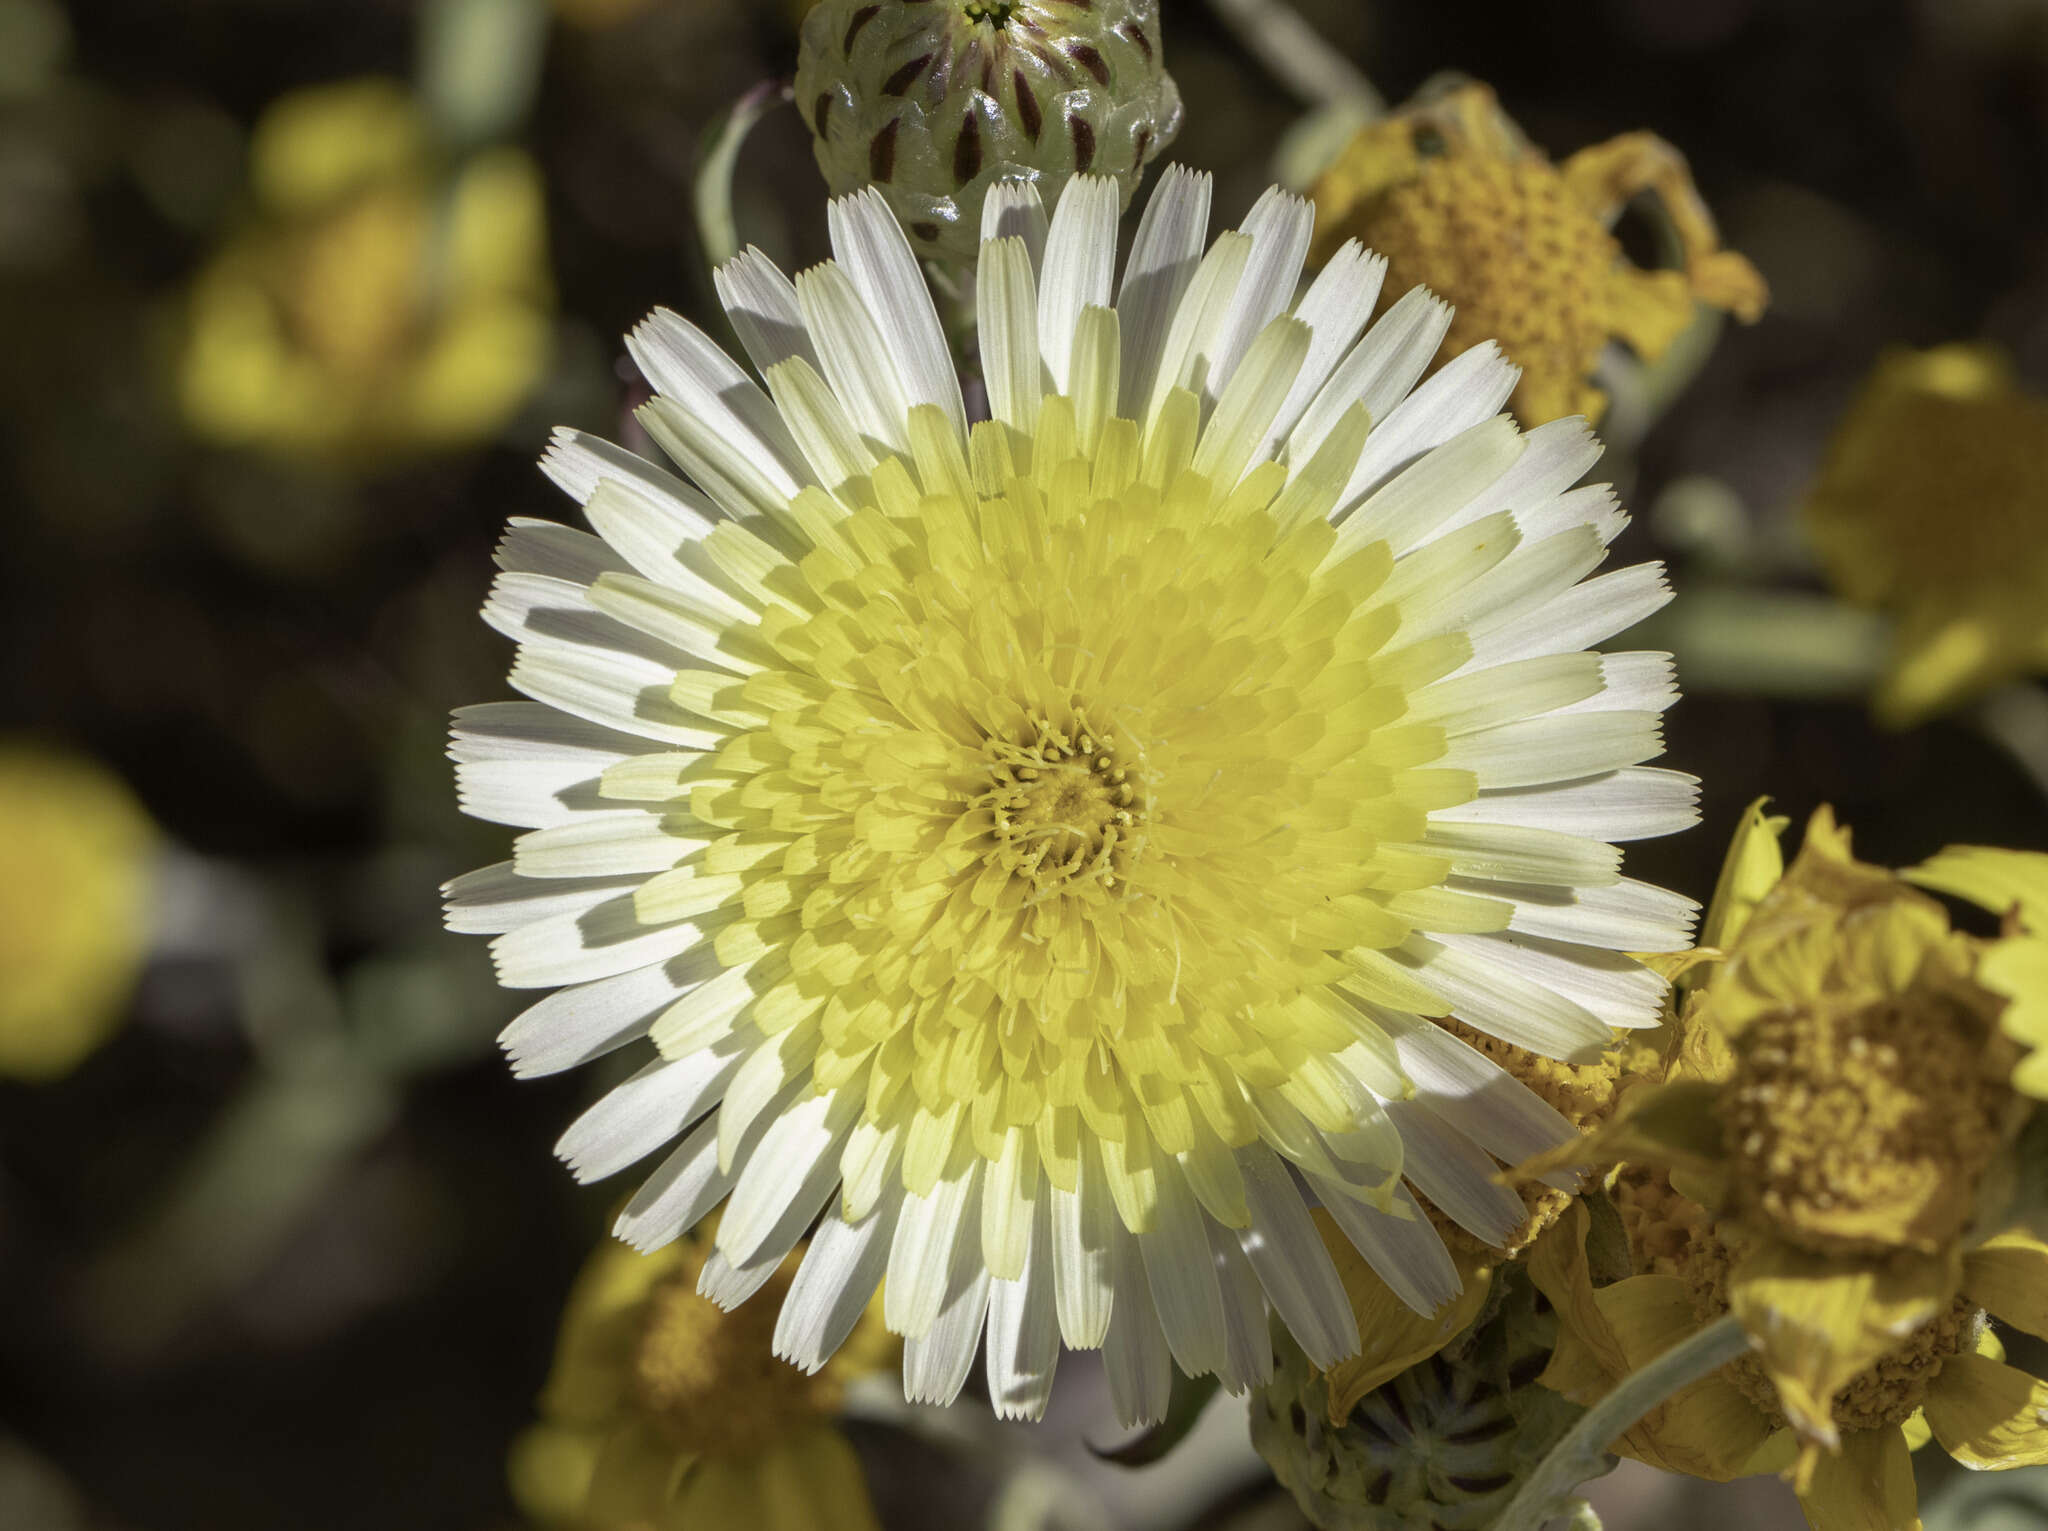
1845 1121
1457 199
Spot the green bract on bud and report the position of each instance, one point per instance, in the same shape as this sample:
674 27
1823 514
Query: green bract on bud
934 101
1444 1444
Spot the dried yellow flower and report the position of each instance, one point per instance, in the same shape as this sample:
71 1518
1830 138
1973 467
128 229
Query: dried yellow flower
1458 201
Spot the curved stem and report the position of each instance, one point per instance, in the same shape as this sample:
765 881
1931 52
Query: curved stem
1295 54
712 195
1546 1493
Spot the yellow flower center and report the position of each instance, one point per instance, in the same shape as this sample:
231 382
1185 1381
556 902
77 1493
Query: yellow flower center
1067 807
1061 797
1864 1128
711 1378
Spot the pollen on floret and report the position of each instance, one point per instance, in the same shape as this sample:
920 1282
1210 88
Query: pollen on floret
1859 1128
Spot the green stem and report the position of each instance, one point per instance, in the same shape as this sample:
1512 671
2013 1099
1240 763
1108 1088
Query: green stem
712 196
1547 1493
1296 55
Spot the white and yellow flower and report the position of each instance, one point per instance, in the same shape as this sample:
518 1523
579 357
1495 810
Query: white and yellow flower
1038 848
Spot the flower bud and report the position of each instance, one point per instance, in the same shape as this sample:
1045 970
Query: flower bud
935 102
1445 1443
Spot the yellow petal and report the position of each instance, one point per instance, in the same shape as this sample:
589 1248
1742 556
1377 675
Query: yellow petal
1706 1430
1988 1415
816 1484
1818 1321
2009 1275
1866 1486
549 1469
636 1472
810 1481
1395 1337
1914 1428
1754 863
1675 1125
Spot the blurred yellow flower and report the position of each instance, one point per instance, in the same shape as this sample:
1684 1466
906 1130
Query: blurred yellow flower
663 1413
1457 200
1832 1161
1932 504
75 849
371 306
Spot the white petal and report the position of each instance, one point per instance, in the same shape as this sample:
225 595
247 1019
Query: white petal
871 246
1013 210
1083 1224
1164 256
579 463
655 543
1595 505
1247 1337
1629 916
1023 1329
528 765
1503 1001
761 302
1080 260
1471 387
796 1167
1335 308
1476 1095
586 1021
1182 1277
1633 682
1519 853
927 1253
1405 1250
1484 698
1279 225
617 691
495 899
1292 1264
1560 453
1378 371
835 1284
688 1185
1637 803
532 546
1006 305
1186 358
678 1194
1134 1354
652 1108
1577 617
713 419
1556 747
1615 987
823 430
1434 494
604 845
1236 431
855 357
1455 1174
606 939
936 1363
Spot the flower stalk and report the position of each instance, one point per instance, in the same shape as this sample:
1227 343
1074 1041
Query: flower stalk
1579 1453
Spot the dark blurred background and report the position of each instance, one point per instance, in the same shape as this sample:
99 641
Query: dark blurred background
290 1248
